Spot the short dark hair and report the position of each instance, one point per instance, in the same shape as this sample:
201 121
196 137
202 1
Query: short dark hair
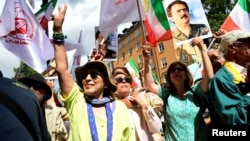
173 3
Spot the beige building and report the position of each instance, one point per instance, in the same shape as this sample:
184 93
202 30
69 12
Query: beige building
130 43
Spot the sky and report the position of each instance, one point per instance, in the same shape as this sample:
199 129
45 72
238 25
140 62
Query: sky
82 15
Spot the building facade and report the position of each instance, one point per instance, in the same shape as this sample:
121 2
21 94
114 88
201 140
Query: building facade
130 46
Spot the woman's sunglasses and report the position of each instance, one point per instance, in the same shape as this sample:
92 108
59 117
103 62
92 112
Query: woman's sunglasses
177 69
93 74
121 80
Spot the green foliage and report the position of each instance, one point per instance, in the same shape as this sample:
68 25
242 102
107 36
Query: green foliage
217 11
23 71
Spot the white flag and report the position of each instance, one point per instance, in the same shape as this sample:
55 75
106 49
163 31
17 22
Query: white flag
6 24
28 41
77 57
115 12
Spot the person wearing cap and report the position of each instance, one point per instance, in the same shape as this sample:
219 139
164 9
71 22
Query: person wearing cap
39 86
94 113
141 104
229 89
52 113
21 115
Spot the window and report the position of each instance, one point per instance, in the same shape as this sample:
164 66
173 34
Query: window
136 33
140 58
152 66
138 45
194 57
161 47
122 45
130 51
123 56
164 62
184 57
128 39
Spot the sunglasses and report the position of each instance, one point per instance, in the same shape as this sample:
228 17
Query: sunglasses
177 69
93 74
120 80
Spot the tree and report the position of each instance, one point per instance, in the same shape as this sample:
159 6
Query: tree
217 11
23 71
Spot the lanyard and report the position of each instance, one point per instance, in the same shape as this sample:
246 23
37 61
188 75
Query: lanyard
92 123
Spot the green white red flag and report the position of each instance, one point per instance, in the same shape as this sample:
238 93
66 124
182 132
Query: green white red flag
239 18
156 22
43 15
133 68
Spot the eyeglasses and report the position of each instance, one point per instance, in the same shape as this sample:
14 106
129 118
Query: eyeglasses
93 74
120 80
177 69
242 44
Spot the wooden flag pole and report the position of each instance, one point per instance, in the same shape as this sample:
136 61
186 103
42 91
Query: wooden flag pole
145 40
141 21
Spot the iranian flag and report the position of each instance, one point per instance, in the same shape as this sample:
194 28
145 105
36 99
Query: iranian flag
156 22
133 68
43 15
239 18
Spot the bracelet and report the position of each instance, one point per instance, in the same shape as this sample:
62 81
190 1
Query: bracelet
58 36
58 41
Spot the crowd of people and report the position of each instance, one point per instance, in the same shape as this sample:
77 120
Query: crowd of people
103 105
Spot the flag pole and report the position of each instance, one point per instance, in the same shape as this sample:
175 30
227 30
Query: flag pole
144 39
210 45
141 21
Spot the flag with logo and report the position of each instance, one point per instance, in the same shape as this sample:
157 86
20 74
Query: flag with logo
43 15
133 68
156 22
239 18
28 40
116 12
6 24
